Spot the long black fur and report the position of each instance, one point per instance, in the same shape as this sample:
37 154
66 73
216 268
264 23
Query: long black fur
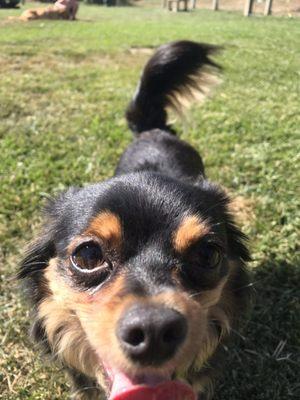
174 69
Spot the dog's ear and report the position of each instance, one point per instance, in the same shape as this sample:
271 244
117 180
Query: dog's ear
239 284
32 266
31 273
39 253
237 242
221 207
43 249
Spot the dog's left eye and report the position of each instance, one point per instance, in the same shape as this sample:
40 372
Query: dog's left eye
209 256
202 266
87 257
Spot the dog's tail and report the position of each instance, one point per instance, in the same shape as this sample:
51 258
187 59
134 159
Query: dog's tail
176 75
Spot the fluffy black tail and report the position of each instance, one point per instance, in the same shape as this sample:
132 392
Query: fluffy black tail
178 73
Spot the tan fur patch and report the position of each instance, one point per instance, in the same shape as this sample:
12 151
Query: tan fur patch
190 230
107 226
64 331
209 298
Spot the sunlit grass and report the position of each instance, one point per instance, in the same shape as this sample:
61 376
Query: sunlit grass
63 90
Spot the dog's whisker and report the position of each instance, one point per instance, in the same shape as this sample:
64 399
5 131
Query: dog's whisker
216 205
195 294
36 263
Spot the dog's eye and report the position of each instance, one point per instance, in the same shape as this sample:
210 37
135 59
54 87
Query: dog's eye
210 256
203 267
88 256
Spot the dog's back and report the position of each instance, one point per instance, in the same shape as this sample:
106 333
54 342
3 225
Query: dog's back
178 73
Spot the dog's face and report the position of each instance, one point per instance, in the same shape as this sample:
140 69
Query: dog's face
138 278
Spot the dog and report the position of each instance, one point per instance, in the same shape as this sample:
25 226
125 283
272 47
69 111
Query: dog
137 282
61 9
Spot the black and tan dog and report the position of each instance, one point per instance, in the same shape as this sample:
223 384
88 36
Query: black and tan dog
137 281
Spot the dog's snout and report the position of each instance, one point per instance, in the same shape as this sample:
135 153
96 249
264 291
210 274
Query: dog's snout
150 335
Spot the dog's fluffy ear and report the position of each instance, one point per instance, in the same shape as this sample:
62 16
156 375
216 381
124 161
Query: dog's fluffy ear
237 242
35 261
40 252
31 273
38 255
239 285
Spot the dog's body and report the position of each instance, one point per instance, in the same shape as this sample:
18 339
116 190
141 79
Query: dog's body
61 9
137 281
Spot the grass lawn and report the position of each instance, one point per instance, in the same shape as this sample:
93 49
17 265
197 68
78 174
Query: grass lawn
63 89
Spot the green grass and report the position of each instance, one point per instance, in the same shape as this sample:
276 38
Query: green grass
63 89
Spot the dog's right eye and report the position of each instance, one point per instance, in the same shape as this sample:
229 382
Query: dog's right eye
87 257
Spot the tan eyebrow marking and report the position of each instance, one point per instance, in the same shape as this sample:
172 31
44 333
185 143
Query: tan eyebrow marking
107 226
189 231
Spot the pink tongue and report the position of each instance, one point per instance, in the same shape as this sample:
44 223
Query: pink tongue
124 389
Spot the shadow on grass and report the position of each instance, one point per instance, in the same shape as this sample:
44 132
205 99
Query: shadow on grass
264 364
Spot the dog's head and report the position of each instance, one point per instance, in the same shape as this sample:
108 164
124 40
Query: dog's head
136 281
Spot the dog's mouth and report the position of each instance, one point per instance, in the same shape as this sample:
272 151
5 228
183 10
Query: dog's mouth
147 387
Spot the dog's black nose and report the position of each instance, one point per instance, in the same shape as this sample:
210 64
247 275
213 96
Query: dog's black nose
150 335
